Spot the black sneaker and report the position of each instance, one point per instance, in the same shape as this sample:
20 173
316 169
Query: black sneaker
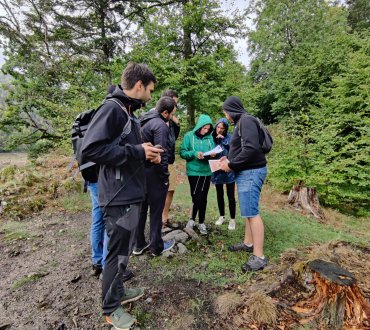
138 251
128 275
254 263
96 270
240 247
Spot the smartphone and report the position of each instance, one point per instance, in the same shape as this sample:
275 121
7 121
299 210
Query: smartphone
158 146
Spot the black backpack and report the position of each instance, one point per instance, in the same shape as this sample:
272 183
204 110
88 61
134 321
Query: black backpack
87 168
267 141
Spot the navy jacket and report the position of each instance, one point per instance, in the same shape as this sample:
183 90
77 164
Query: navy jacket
221 177
121 158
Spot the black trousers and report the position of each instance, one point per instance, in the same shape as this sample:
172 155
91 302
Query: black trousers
120 223
230 191
199 187
155 200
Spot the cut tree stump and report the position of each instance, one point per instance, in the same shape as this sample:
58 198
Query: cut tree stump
336 303
305 198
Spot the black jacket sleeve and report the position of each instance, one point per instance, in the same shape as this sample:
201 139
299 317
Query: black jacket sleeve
101 142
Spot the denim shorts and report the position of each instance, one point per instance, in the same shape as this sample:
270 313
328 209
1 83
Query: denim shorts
249 184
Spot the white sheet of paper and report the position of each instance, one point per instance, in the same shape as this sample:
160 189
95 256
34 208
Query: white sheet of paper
216 150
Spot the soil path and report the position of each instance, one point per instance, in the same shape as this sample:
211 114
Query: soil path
46 281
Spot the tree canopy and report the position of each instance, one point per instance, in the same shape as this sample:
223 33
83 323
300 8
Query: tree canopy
308 77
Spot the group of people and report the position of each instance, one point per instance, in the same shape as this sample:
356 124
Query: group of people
135 173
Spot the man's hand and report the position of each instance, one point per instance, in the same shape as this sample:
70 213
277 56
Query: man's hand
200 155
175 120
225 164
152 154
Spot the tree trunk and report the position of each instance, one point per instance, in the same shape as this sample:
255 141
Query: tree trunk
187 51
305 198
336 303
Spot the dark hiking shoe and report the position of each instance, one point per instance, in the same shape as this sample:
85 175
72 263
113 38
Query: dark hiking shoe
132 294
240 247
128 275
96 270
138 251
121 320
254 263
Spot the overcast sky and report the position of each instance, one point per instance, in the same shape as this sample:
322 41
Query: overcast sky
229 5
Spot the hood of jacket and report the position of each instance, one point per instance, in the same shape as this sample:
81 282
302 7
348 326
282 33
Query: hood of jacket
131 104
225 122
234 108
151 114
202 121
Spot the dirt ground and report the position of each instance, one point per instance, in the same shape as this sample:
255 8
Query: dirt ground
46 282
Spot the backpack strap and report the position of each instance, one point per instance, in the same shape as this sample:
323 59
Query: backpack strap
125 131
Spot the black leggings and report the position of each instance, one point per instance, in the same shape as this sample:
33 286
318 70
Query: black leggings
199 186
230 190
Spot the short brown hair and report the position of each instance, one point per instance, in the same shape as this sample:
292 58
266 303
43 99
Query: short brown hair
170 93
165 103
135 72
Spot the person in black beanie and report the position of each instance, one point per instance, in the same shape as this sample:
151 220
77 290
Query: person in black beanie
248 162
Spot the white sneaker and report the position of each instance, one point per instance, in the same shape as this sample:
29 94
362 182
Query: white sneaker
202 229
220 221
232 224
190 224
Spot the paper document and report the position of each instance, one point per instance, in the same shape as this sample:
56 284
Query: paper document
214 164
216 150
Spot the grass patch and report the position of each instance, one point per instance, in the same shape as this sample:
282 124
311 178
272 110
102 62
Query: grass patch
15 231
210 261
27 279
76 202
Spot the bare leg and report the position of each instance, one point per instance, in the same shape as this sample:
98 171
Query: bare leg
258 234
167 206
248 240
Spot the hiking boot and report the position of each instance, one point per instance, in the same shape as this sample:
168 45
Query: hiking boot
120 319
202 229
220 221
128 275
167 245
97 269
138 251
240 247
254 263
232 224
190 224
132 295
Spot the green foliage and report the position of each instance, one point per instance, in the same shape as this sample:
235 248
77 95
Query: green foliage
186 47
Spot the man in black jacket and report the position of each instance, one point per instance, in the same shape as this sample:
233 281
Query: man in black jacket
154 129
118 149
248 161
174 131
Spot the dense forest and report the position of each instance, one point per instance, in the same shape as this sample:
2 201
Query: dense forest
308 79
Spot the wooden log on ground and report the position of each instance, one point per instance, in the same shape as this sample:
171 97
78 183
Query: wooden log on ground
305 198
337 302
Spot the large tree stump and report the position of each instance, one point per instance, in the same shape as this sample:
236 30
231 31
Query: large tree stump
305 198
337 302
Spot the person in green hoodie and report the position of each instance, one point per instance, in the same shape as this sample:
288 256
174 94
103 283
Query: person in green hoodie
194 144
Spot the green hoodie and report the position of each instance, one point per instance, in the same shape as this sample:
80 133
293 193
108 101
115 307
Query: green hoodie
192 144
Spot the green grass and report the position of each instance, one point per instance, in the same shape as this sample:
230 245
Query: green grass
76 202
14 230
27 279
210 261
